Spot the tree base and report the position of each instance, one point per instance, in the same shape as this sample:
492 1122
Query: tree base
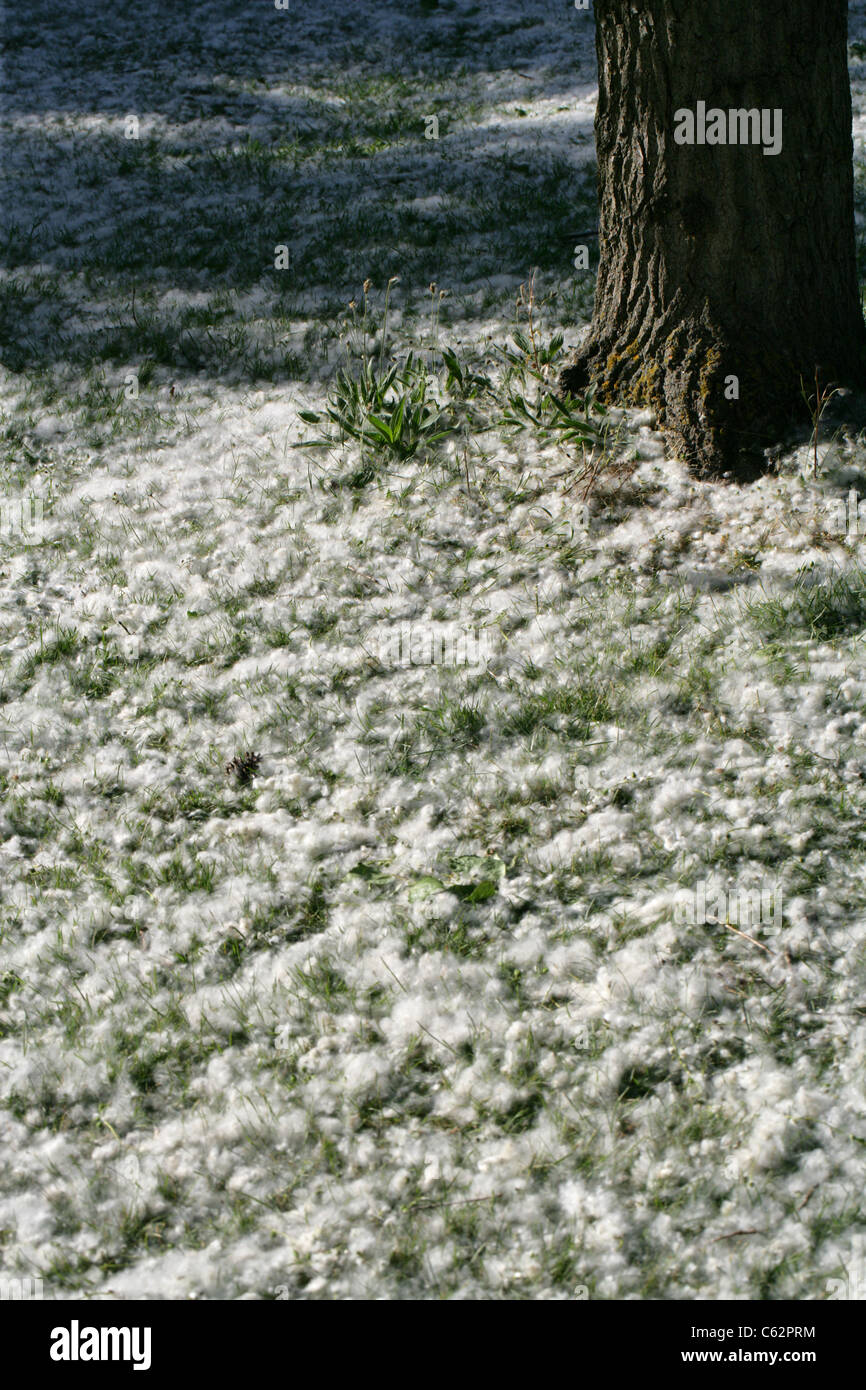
721 405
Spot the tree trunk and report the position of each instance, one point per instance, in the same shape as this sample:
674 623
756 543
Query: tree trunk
719 261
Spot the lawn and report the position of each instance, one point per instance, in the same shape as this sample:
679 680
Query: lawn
388 748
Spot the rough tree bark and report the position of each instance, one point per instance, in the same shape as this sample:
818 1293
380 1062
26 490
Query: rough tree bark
718 260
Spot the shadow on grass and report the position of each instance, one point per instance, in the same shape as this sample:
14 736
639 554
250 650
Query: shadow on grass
250 139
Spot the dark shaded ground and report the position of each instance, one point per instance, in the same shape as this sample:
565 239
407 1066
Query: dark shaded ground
247 140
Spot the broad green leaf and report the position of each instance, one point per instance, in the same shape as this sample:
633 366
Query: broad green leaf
490 865
474 892
381 426
425 888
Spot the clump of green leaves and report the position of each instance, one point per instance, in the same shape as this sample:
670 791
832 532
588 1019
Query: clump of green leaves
396 412
486 872
571 423
461 381
563 421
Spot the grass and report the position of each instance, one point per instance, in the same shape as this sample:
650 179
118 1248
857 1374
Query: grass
573 710
277 925
823 607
